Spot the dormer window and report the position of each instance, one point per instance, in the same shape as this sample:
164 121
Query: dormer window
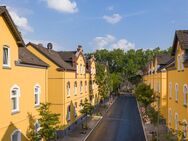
77 69
182 62
6 56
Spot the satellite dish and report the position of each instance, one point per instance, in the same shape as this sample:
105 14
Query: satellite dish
49 46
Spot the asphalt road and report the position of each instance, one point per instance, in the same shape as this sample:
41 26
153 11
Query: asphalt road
121 123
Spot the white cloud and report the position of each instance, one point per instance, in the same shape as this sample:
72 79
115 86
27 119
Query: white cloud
115 18
123 44
110 42
66 6
20 21
102 42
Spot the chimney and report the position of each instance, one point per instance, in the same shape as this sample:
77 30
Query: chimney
79 49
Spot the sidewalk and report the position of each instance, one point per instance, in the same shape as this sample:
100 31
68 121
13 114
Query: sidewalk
77 133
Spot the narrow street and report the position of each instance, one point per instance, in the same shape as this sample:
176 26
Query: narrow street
121 123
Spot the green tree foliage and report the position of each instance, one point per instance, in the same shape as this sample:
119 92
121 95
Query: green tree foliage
144 94
48 122
87 109
103 80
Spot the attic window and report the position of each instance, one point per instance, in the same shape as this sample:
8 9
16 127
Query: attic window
6 56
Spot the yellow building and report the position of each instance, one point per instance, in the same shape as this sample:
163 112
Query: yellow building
177 73
68 80
156 77
21 93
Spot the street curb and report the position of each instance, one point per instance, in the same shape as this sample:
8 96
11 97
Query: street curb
98 122
138 106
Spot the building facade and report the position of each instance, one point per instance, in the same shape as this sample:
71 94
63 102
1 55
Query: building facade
21 93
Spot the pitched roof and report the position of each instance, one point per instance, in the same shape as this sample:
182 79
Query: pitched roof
4 12
53 56
163 59
171 64
67 55
26 57
182 37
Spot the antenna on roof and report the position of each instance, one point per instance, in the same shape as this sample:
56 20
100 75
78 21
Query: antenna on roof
49 46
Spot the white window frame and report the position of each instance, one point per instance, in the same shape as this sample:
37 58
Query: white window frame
179 62
170 90
68 89
185 93
19 135
8 56
37 94
176 92
69 113
75 88
77 69
184 129
17 88
176 124
182 61
80 68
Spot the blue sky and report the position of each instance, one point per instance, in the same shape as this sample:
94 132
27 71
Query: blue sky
98 24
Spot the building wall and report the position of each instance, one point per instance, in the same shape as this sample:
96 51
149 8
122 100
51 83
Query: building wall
22 77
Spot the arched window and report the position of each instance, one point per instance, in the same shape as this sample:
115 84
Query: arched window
85 86
176 121
16 135
185 90
37 92
75 88
37 126
170 116
15 93
170 90
81 85
176 91
68 88
184 129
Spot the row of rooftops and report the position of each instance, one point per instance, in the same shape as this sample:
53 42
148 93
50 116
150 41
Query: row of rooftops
166 61
65 60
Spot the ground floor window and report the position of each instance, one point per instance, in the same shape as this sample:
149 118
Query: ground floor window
16 135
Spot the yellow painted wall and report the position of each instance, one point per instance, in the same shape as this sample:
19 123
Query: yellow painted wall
179 77
23 77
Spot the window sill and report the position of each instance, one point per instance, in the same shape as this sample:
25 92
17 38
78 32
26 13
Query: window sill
6 67
185 105
15 112
37 105
176 101
68 96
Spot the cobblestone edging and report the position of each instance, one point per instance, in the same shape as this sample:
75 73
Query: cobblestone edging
138 106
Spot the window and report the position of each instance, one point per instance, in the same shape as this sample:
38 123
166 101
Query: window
179 61
84 69
185 90
176 91
75 88
68 113
37 126
85 86
68 89
77 69
170 116
6 56
81 86
81 102
15 93
16 135
81 69
182 62
176 121
37 95
170 90
185 130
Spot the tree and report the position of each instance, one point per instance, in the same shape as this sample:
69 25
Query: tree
48 122
31 133
144 94
87 110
